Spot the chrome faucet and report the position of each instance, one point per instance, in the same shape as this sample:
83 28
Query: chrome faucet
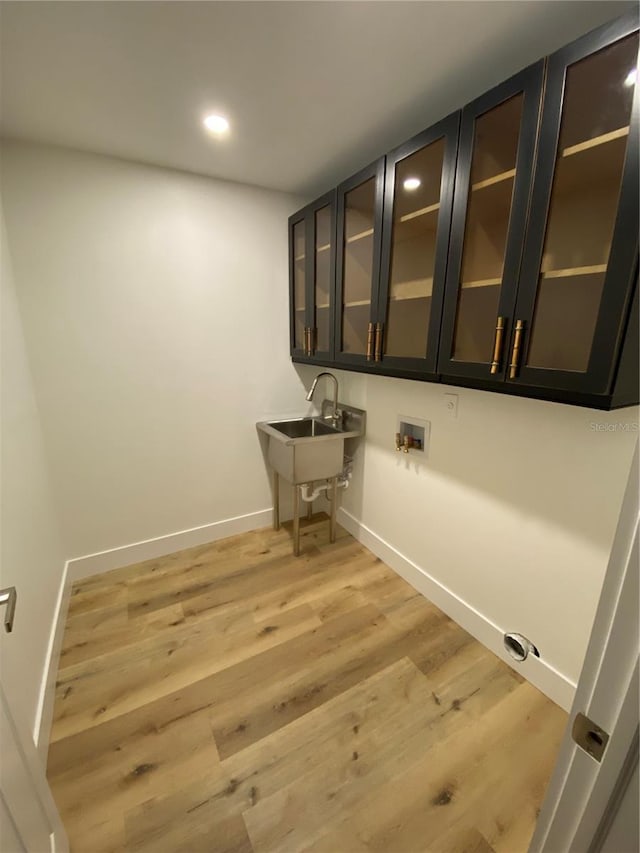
335 417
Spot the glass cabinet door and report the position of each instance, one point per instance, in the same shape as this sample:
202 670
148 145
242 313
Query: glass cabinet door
417 219
299 302
312 274
493 181
357 264
323 254
582 250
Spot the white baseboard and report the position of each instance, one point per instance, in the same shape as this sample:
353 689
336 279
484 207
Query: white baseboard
149 549
115 558
44 714
541 674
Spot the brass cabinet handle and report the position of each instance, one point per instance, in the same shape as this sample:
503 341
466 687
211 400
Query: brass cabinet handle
515 353
497 345
370 334
379 328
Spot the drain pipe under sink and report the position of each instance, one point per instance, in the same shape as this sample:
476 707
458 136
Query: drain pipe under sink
308 496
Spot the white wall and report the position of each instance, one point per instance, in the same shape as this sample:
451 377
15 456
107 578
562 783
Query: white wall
31 552
514 511
156 314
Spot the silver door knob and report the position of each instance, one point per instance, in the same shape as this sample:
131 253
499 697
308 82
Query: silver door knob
8 597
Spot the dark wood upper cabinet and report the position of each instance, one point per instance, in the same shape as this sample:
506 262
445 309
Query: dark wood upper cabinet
359 232
298 295
415 240
492 187
499 248
312 259
580 260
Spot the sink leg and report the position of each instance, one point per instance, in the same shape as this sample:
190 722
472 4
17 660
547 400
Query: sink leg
276 501
334 501
310 505
296 521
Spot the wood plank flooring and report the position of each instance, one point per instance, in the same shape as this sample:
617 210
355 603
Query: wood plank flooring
235 699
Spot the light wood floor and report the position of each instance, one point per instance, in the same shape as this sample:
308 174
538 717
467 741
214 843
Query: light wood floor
234 698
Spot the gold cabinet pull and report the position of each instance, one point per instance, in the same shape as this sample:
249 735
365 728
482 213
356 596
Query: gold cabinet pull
307 340
515 353
497 345
370 334
379 328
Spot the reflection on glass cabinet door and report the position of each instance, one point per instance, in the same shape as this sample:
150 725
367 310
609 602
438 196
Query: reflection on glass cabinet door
359 215
592 145
493 173
323 277
581 254
413 250
312 276
415 241
299 286
493 180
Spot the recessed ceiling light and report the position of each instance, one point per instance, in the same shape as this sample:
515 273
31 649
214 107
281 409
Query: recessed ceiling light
630 79
216 124
412 183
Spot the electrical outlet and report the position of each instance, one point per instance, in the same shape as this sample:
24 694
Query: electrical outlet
451 403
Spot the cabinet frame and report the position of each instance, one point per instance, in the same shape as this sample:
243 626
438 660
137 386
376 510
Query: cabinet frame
307 215
296 352
529 82
446 129
373 170
620 276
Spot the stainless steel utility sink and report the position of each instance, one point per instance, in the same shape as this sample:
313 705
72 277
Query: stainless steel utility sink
303 450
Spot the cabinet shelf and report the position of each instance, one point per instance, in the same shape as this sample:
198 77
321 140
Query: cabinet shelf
416 288
410 298
494 179
484 282
360 236
318 250
357 304
572 271
422 212
322 306
595 142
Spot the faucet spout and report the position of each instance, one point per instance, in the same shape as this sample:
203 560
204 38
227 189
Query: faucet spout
336 414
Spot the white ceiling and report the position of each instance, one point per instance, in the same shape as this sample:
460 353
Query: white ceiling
314 90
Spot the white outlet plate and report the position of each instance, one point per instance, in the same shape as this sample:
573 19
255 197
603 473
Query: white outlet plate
451 404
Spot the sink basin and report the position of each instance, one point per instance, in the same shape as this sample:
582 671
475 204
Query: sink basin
306 449
303 428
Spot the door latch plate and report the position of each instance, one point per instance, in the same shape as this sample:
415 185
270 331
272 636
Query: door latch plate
589 737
